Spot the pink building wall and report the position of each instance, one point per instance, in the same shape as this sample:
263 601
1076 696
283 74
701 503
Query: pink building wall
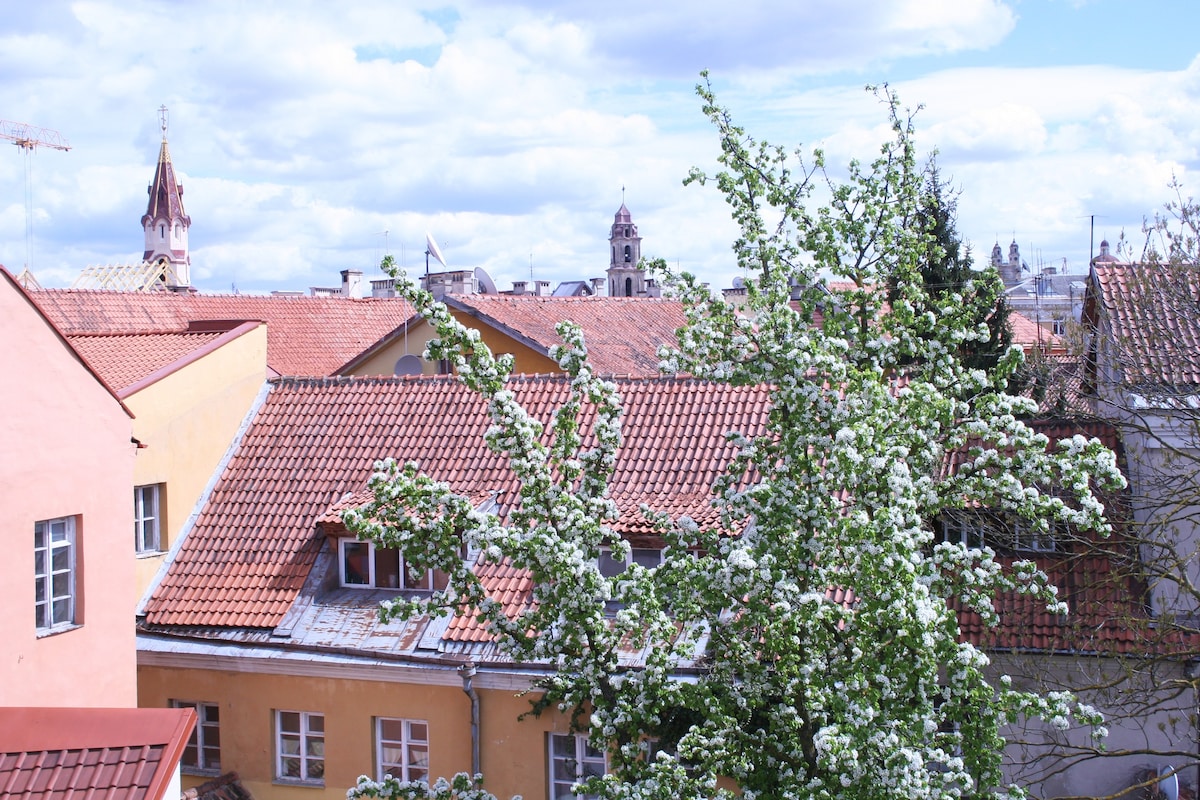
65 451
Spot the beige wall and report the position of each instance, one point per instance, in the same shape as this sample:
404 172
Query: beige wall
186 422
1148 709
528 360
65 451
412 342
513 754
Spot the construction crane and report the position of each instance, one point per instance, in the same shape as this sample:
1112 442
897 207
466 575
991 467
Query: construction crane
29 138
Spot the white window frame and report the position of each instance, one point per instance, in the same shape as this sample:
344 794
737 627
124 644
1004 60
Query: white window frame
413 747
648 557
204 745
1027 540
430 581
54 541
566 768
147 518
965 528
308 735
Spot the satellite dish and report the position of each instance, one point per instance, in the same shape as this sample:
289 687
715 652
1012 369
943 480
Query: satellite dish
486 285
431 249
739 282
1168 783
408 365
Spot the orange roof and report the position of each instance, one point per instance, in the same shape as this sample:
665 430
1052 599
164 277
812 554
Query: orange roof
309 336
1154 319
314 441
622 334
124 359
91 752
1030 336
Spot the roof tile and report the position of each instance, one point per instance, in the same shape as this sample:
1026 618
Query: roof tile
622 334
307 336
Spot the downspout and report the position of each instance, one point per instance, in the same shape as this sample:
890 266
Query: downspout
467 671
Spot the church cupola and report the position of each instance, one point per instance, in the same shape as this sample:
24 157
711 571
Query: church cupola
165 222
626 278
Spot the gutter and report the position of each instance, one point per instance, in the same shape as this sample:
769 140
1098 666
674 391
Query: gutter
467 671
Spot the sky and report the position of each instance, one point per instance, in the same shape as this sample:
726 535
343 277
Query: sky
313 137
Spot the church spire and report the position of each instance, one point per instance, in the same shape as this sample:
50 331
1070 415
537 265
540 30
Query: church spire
626 278
165 222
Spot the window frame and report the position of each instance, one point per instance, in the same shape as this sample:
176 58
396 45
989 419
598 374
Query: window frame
613 606
141 520
408 744
208 727
44 580
964 528
432 579
304 735
582 755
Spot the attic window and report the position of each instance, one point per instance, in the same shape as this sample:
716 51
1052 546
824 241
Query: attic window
611 567
362 565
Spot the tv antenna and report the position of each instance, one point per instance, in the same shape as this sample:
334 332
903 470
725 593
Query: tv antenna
29 138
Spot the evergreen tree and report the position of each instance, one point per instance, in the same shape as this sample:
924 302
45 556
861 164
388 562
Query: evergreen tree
947 272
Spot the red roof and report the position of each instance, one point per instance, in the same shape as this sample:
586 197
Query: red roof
622 334
307 336
1152 310
128 753
314 441
125 359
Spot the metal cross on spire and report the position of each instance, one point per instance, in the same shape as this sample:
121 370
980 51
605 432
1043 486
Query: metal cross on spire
162 120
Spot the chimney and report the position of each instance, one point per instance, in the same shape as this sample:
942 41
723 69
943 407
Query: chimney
598 286
518 287
352 283
541 288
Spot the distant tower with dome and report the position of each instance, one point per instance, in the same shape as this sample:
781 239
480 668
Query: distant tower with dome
626 277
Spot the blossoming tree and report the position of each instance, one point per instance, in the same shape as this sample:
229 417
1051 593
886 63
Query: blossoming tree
816 615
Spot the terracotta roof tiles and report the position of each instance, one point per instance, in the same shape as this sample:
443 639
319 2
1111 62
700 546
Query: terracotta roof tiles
125 359
622 334
1153 311
313 441
306 336
62 753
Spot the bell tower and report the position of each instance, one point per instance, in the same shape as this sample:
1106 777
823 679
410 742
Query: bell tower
165 222
625 277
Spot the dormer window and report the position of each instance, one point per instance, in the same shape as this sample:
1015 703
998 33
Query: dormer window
362 565
612 567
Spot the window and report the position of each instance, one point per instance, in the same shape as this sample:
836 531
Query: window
54 573
1027 539
203 751
963 528
146 519
402 748
572 759
611 567
362 564
300 746
1060 327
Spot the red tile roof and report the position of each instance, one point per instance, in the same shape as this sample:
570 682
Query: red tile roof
307 336
622 334
132 753
124 359
311 448
1154 315
314 441
1031 336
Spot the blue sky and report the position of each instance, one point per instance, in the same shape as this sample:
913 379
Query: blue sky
304 131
